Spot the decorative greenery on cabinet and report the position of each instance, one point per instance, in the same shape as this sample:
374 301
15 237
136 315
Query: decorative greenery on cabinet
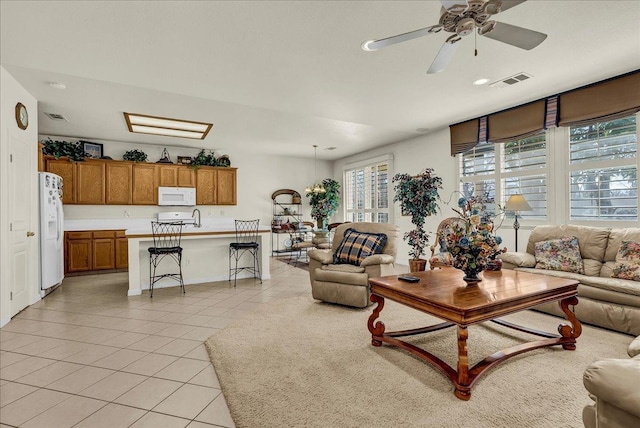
135 156
58 149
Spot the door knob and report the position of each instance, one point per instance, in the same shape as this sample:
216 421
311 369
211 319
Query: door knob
31 233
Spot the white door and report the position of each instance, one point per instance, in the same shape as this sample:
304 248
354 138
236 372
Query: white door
21 227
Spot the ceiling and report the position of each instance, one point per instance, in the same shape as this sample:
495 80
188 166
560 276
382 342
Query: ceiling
279 76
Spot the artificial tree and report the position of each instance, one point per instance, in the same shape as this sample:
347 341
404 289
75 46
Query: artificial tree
418 196
324 200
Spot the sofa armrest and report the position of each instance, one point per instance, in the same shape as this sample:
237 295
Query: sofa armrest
519 259
323 256
615 381
377 259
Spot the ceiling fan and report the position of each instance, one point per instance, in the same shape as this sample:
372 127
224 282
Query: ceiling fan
461 17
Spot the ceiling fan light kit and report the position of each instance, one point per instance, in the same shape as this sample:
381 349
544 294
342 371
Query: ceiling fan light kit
462 17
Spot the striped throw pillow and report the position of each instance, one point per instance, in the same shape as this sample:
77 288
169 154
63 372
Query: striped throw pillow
356 246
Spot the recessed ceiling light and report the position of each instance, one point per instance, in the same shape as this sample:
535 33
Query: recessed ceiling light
482 81
57 85
156 125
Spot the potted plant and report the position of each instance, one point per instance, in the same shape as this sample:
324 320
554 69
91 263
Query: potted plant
135 156
324 200
418 196
58 149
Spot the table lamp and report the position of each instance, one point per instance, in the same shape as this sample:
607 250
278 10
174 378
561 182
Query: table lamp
517 203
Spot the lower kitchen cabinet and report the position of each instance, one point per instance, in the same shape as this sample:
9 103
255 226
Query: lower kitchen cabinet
95 250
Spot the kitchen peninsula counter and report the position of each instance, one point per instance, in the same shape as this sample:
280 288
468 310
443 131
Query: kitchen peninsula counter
205 256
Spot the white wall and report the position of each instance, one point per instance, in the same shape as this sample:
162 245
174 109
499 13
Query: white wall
412 156
258 177
10 94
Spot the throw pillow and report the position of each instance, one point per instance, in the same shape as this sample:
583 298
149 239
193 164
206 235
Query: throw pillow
627 261
561 254
356 246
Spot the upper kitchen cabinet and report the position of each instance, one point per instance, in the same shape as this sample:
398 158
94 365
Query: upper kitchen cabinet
145 188
205 186
118 183
90 182
226 186
176 176
216 186
66 170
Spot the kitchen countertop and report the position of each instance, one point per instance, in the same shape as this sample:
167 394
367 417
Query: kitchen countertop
135 226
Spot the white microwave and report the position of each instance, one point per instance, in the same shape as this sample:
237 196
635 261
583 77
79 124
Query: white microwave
177 196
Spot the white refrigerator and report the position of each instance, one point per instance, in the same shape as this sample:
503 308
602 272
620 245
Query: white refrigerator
51 231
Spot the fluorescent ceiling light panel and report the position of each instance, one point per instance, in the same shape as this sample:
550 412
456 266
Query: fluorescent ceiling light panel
156 125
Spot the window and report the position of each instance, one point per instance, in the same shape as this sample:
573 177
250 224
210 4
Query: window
585 174
502 170
366 192
604 170
524 171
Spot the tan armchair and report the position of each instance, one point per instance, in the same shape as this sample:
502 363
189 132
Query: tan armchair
348 284
613 385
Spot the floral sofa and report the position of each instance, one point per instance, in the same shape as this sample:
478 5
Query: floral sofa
605 301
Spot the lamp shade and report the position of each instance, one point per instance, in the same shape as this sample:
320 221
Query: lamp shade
517 203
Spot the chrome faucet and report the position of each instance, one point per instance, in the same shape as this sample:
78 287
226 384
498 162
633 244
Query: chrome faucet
198 224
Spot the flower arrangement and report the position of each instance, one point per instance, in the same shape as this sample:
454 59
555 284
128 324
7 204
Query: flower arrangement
324 203
418 196
471 242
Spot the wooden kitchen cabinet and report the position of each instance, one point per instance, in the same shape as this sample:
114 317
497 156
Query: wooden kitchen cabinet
79 251
186 177
100 182
176 176
66 170
89 251
205 186
118 183
122 250
90 182
216 186
104 250
145 188
226 186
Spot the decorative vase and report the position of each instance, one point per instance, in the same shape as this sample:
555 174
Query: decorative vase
417 265
320 223
471 275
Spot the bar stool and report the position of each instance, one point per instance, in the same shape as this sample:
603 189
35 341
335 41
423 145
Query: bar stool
246 241
166 242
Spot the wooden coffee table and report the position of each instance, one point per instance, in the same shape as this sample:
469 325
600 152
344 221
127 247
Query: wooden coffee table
443 293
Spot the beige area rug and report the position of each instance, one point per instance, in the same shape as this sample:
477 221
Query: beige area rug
298 362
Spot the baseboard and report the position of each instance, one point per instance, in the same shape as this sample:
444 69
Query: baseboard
4 321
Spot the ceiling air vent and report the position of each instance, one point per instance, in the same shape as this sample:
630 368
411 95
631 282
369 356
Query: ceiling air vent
56 116
511 80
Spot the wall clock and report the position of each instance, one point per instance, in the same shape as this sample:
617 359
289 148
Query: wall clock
22 116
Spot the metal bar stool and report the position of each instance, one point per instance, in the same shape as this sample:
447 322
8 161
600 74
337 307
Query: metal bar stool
246 241
166 242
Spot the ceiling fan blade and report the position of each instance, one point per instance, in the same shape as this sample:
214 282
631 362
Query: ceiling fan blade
372 45
446 53
495 6
455 6
516 36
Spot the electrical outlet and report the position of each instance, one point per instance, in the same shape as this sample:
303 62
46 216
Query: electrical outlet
127 213
221 212
210 213
188 262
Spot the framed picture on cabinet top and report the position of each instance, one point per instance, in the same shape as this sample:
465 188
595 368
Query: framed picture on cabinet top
184 160
92 150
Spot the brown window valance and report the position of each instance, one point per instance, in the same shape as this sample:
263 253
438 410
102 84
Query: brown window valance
606 100
464 136
603 101
516 123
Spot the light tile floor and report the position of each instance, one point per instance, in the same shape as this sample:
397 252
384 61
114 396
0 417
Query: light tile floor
89 356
